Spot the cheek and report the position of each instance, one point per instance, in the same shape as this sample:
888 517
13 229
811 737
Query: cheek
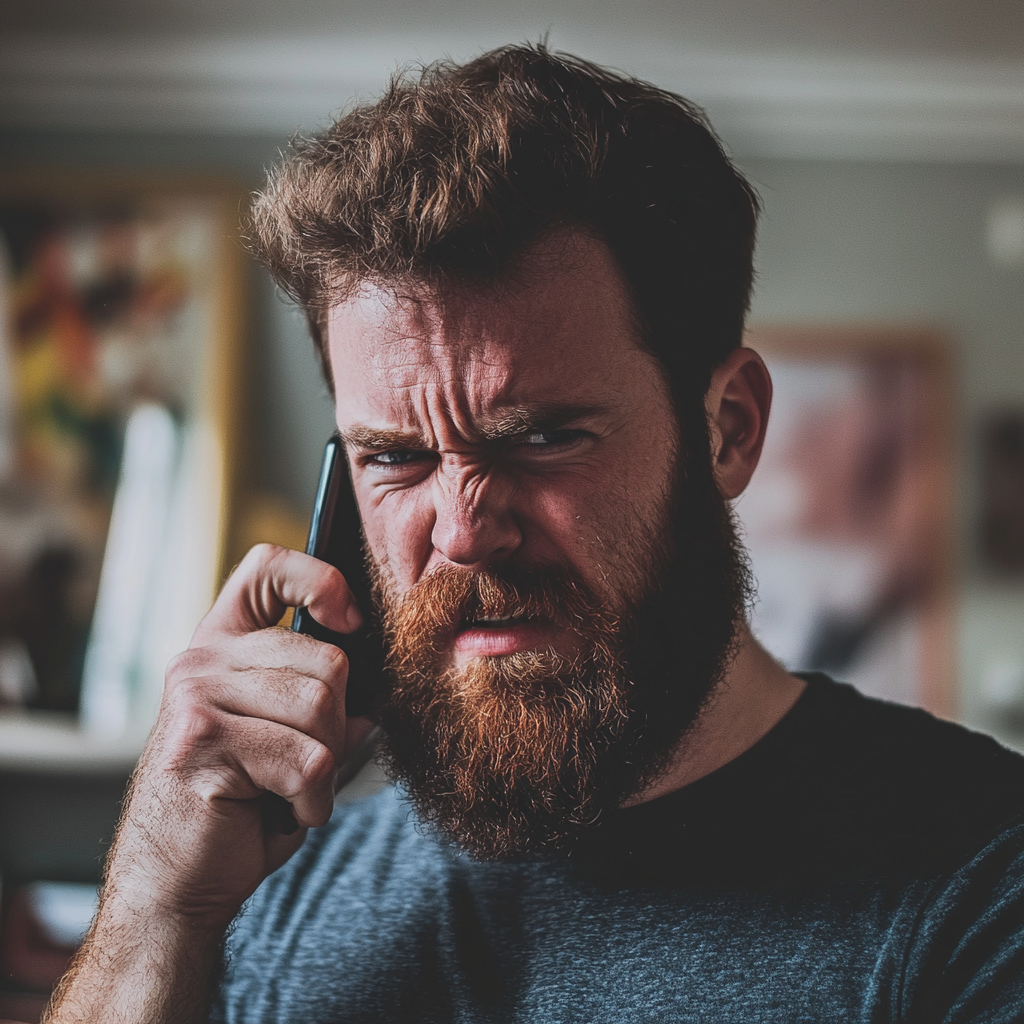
590 523
610 525
398 528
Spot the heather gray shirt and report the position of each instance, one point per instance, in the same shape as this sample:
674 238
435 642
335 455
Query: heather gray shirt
863 862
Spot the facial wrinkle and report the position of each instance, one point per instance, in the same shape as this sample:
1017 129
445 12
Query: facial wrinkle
465 487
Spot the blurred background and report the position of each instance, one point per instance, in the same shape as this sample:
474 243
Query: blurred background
161 408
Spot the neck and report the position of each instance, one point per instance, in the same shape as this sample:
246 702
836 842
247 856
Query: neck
752 697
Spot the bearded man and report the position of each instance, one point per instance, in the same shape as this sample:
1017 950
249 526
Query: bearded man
527 279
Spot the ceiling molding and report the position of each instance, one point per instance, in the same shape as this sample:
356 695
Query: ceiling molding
763 104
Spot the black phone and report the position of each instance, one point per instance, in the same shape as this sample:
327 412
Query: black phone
336 537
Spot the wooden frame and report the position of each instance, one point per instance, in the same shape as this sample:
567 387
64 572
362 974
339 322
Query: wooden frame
175 315
921 481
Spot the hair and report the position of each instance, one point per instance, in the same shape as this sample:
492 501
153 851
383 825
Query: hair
454 172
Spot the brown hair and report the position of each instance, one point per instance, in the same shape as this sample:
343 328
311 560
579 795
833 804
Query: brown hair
452 173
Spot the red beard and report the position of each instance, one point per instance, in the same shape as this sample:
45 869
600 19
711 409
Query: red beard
503 754
524 751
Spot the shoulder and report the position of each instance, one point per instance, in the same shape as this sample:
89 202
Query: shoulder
928 782
891 745
965 958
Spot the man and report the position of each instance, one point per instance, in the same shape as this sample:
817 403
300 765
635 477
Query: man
527 279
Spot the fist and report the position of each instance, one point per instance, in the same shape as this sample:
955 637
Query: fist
249 709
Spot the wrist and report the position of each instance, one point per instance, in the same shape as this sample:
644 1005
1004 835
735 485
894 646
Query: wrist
160 910
144 966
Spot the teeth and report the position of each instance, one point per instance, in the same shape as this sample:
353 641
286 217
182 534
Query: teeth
495 618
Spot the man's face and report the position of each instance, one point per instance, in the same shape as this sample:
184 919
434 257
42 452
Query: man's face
527 427
515 458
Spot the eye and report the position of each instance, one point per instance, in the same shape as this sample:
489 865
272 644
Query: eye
548 439
395 457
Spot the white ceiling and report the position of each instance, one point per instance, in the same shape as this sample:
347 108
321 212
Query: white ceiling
878 79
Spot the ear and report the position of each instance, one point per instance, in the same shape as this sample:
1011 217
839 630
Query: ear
738 402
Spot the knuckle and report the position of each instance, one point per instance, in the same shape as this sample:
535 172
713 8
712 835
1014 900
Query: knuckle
319 699
334 661
319 765
332 577
189 730
202 726
183 665
263 554
259 560
329 582
188 695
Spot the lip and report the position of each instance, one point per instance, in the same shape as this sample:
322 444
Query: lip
495 641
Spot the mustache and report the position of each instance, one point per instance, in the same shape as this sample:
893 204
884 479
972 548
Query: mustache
452 597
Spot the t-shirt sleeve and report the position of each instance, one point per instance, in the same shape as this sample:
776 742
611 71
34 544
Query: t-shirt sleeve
965 959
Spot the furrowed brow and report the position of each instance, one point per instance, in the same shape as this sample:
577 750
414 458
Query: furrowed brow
532 419
514 423
378 440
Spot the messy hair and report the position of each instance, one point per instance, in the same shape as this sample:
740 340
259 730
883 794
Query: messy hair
457 169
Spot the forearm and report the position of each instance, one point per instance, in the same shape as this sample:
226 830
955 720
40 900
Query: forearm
248 709
133 970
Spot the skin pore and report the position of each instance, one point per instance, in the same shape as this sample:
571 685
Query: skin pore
529 426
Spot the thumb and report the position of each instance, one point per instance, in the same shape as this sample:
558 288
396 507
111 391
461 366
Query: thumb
270 579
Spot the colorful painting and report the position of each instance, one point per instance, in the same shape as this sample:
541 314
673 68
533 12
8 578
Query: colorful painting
111 298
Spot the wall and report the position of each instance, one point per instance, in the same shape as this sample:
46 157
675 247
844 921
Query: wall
905 243
841 242
287 403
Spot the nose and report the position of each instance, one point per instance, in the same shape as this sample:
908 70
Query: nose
474 525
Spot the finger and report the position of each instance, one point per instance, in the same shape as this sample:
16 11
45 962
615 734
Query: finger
272 648
270 579
272 673
306 703
242 758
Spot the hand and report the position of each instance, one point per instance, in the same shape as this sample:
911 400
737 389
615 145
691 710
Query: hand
249 708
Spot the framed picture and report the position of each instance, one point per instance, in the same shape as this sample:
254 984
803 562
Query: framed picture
1002 512
848 519
120 312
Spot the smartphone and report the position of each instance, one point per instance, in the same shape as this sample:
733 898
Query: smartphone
336 537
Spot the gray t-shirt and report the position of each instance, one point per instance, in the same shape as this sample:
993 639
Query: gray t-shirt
862 862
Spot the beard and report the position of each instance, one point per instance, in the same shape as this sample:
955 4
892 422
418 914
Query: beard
525 752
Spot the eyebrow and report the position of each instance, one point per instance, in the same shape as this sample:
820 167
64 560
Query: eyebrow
513 423
380 440
531 419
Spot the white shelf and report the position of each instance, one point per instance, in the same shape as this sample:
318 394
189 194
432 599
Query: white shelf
47 741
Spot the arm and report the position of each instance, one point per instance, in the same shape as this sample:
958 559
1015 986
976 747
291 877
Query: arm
965 958
249 708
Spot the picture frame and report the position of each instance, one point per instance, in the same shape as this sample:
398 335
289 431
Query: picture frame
849 517
124 317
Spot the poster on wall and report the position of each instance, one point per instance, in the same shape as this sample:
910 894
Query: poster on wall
847 519
118 334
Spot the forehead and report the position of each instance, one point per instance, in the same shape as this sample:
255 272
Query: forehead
564 334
